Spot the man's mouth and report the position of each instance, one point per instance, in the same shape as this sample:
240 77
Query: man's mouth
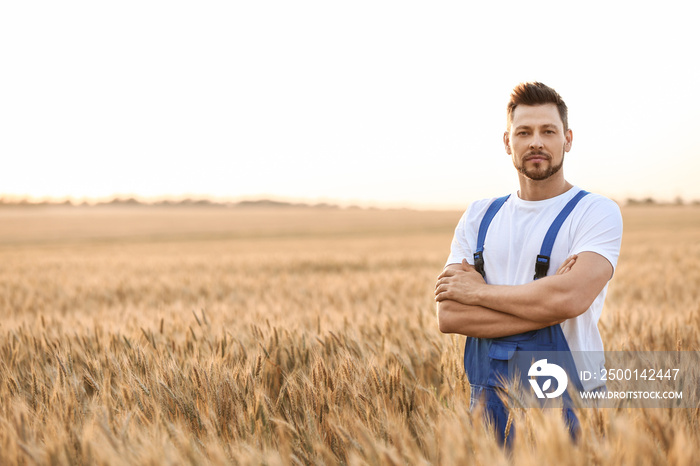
536 158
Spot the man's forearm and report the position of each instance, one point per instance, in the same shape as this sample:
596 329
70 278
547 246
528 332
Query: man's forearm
551 298
554 298
538 301
482 322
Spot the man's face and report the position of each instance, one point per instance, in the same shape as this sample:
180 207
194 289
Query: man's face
537 141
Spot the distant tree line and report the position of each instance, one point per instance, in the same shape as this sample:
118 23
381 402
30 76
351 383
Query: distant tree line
651 201
131 201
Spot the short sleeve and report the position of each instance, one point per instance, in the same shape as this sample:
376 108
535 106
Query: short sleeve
461 247
600 230
464 240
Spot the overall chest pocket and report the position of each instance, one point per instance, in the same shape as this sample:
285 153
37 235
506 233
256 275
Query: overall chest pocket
500 352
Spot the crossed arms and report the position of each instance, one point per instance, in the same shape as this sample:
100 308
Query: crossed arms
468 306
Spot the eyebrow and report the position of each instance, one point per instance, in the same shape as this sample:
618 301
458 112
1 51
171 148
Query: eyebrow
547 125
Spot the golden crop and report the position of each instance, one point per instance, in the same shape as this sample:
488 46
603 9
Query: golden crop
293 336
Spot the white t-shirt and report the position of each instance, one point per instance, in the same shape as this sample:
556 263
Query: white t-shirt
514 239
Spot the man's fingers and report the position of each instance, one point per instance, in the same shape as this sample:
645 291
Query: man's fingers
440 282
440 288
451 272
568 263
441 296
564 268
447 273
467 267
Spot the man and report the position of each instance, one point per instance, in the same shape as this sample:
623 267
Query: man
499 307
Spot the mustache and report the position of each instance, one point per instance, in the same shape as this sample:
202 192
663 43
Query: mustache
536 153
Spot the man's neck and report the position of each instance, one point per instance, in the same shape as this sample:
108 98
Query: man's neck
531 190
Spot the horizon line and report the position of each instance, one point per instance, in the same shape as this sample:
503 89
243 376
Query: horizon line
263 201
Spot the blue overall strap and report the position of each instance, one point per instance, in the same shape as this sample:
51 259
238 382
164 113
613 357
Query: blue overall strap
542 263
483 228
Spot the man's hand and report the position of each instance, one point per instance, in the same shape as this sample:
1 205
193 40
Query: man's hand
458 285
462 285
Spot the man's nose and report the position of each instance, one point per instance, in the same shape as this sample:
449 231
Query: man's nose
536 141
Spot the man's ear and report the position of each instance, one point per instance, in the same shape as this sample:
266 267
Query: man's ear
506 142
569 140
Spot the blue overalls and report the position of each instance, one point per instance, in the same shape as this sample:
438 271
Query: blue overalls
486 359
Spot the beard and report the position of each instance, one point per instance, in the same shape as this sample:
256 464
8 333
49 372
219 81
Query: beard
537 173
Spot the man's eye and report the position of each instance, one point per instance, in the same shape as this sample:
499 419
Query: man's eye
521 133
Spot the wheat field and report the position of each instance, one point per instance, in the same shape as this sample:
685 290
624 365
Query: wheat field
154 335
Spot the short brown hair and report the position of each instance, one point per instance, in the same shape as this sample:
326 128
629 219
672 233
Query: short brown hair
536 93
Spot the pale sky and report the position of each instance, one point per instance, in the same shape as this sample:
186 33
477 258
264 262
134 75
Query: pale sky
371 102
